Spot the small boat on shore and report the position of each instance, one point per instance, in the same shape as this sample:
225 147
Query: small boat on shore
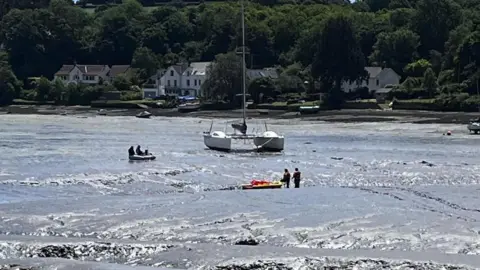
141 158
102 112
309 109
189 107
474 126
143 114
263 184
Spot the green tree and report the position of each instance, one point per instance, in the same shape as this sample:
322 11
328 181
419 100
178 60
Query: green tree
395 49
417 68
10 87
338 58
121 83
43 89
430 82
261 88
224 78
146 62
433 21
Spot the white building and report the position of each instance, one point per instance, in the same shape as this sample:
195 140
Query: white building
180 79
86 74
378 78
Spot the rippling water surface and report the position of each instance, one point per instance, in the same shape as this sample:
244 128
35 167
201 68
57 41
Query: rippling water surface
383 187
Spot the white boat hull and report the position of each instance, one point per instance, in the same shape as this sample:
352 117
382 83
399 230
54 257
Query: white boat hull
270 144
269 141
217 141
137 157
189 108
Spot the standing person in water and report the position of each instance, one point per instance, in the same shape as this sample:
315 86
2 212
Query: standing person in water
286 179
296 178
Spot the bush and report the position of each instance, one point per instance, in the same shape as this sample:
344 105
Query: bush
414 93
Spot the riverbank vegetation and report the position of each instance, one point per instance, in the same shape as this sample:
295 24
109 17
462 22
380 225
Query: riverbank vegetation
433 44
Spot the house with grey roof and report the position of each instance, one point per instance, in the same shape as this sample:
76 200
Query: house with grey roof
378 77
186 79
262 73
85 74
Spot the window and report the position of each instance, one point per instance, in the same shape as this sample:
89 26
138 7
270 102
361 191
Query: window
175 83
199 82
63 78
195 82
378 82
86 77
168 83
76 77
171 72
188 82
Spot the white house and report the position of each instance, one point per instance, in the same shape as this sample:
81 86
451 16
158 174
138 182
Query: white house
180 79
378 78
87 74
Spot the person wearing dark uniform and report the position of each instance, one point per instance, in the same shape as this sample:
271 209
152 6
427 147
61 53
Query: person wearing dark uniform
131 152
296 178
286 179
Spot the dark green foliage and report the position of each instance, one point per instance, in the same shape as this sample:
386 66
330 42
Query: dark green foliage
328 41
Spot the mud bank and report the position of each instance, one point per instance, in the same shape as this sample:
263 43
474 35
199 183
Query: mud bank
366 115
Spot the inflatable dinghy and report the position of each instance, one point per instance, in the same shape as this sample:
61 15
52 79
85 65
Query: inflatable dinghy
262 184
137 157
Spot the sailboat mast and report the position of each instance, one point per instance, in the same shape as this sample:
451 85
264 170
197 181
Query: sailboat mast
243 61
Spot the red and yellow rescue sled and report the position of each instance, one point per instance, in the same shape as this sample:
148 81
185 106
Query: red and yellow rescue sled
262 184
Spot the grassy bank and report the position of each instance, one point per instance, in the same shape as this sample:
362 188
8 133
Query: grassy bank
129 104
31 102
295 107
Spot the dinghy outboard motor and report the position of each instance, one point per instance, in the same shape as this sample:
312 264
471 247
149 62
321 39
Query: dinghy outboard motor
240 127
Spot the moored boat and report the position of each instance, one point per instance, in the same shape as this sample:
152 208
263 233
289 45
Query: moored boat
474 126
189 107
143 114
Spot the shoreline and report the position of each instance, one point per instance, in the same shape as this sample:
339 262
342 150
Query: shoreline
346 115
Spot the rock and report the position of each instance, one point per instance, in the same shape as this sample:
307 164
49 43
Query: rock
247 242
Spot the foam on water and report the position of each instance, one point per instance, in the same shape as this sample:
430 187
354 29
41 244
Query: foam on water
373 186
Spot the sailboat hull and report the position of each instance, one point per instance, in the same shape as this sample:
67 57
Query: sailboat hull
270 144
269 141
217 141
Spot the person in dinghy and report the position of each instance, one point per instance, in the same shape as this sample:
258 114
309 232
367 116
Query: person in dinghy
140 152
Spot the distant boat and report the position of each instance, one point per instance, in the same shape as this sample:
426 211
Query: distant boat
309 109
101 112
189 107
474 126
143 114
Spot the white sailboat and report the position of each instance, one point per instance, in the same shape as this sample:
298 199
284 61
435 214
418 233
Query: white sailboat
220 140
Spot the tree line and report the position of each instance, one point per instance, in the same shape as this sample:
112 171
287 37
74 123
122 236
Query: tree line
433 44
